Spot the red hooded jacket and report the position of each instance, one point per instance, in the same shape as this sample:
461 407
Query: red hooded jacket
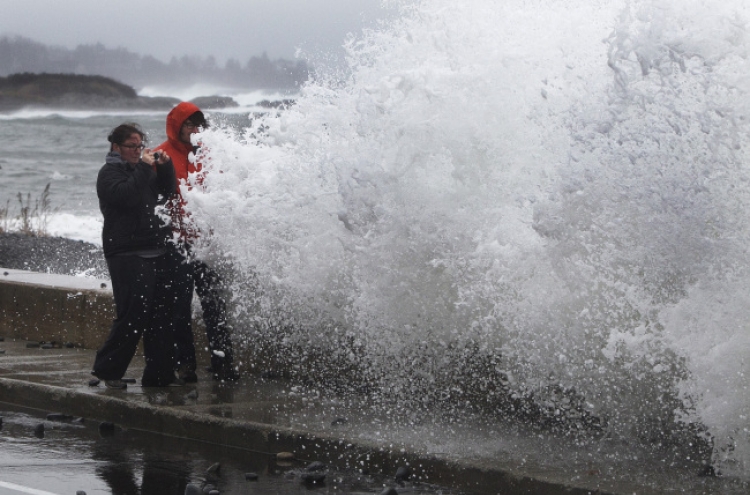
180 152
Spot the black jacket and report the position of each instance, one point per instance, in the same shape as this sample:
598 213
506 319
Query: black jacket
128 196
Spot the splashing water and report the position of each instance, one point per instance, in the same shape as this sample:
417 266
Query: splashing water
532 207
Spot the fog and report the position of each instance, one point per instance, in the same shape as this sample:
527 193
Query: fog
221 28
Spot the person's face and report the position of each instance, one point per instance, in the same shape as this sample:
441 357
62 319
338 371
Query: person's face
131 149
188 129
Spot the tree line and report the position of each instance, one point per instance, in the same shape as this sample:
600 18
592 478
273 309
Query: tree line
19 54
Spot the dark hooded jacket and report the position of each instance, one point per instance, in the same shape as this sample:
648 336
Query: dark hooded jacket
128 197
182 155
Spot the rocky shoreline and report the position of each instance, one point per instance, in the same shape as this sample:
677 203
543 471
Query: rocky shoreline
57 255
82 92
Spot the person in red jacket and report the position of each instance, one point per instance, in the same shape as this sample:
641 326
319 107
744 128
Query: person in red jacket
183 121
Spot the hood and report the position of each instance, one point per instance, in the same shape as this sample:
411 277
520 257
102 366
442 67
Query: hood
175 119
115 158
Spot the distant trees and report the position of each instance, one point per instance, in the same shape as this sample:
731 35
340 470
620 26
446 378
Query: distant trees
19 54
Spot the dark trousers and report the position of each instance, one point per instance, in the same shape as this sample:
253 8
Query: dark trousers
196 275
144 301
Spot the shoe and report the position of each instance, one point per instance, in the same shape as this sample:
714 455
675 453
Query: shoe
115 384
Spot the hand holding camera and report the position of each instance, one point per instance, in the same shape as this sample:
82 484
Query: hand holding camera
155 157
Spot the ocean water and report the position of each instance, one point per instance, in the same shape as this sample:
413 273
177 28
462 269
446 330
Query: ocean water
537 209
66 149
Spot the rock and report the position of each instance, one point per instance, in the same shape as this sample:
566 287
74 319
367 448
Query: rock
103 285
80 492
52 255
94 382
59 417
280 104
315 466
389 491
214 102
251 476
69 345
214 492
106 429
32 345
2 339
193 489
193 394
403 473
2 351
285 456
315 477
39 430
208 488
1 423
339 421
47 346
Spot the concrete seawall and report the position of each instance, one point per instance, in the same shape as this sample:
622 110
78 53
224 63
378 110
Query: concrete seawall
54 308
61 309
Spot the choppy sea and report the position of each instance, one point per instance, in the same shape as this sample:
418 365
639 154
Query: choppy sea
65 149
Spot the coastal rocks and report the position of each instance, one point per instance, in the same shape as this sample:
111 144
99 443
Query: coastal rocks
403 473
106 429
59 417
73 91
214 102
51 255
284 456
280 104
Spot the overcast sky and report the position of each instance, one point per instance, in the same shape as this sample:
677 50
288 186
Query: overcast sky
164 28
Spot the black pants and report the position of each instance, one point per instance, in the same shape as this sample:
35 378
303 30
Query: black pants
144 302
196 275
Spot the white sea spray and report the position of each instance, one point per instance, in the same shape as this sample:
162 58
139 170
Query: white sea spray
558 206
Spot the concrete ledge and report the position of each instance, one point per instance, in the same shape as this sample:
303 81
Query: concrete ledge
52 314
162 420
47 307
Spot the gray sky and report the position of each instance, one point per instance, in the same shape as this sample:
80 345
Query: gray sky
222 28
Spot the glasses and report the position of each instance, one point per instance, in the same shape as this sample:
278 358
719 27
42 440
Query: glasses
132 146
190 125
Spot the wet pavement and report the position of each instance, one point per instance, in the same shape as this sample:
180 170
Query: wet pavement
248 427
72 454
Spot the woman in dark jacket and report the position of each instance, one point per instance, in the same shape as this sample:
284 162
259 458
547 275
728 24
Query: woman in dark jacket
130 187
